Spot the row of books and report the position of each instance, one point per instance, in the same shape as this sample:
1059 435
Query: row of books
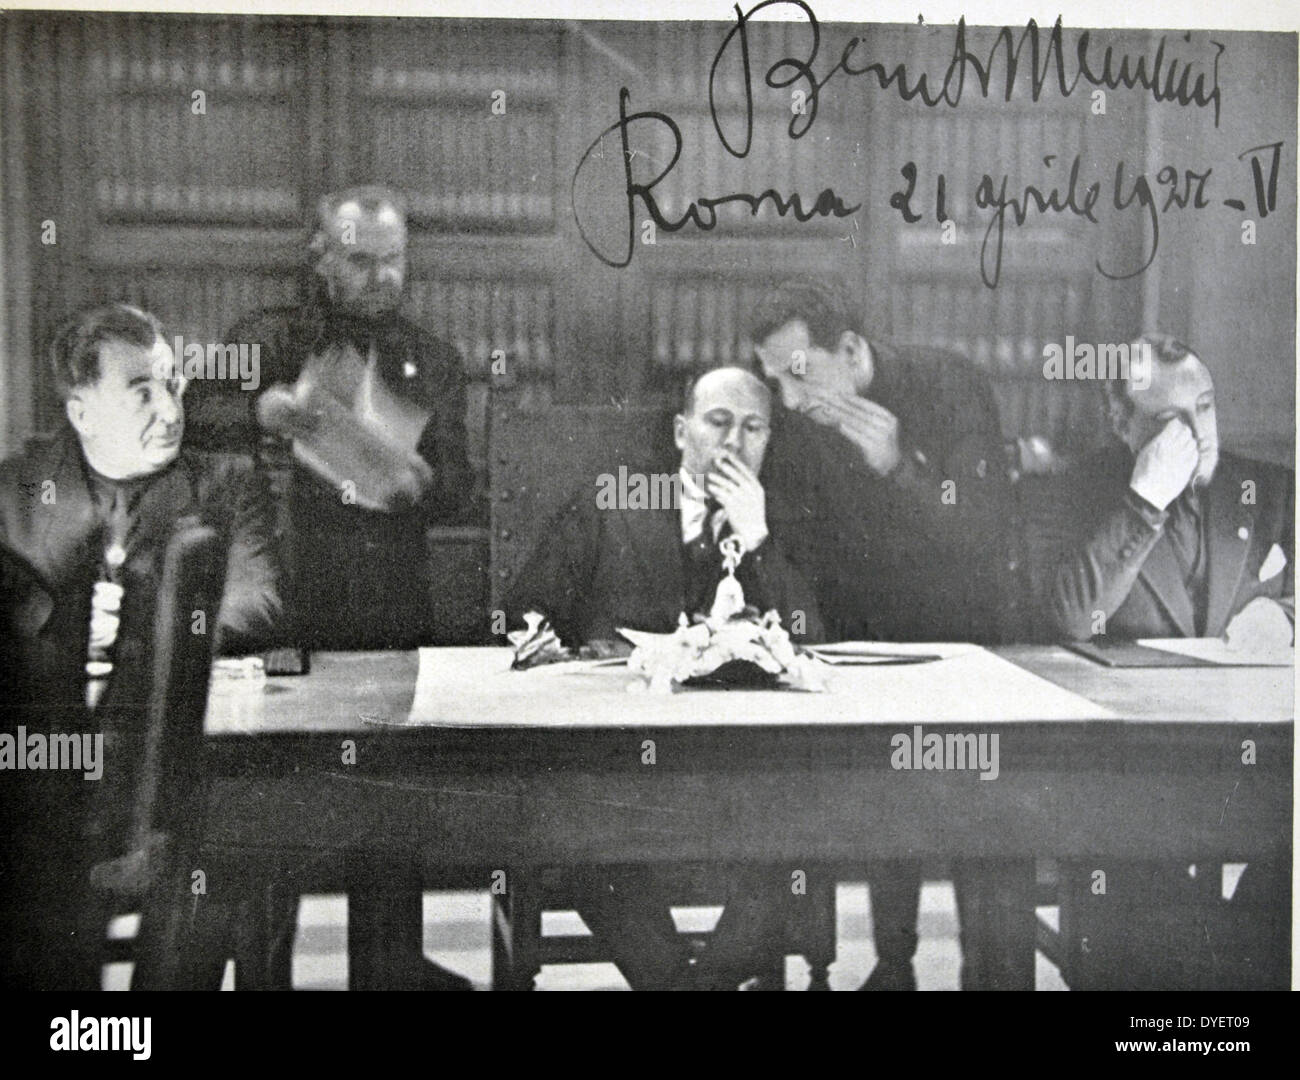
465 164
491 321
141 52
154 157
1002 330
531 87
455 58
201 304
699 322
117 197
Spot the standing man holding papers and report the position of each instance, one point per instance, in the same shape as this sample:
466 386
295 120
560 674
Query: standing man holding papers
372 409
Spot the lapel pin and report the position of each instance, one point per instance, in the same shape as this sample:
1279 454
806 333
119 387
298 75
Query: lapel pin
408 369
1243 533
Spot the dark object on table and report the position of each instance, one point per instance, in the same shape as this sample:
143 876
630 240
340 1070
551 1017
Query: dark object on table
1129 654
295 660
736 675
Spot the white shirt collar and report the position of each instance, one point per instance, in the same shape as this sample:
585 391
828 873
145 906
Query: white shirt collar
694 506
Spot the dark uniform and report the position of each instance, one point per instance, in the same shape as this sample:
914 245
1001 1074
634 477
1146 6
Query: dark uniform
916 555
362 577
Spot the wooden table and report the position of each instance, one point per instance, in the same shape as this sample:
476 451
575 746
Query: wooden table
1164 778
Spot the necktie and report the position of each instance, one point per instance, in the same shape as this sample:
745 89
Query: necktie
1184 528
703 562
115 535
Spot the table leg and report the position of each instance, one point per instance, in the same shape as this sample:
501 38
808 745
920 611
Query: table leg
995 901
385 927
516 930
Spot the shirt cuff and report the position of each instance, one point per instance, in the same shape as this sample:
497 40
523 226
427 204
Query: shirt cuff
1152 515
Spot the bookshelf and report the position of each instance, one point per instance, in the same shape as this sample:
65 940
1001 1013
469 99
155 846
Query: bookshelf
202 217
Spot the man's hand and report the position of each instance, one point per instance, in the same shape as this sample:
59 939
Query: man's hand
872 428
1260 627
1164 467
736 487
282 411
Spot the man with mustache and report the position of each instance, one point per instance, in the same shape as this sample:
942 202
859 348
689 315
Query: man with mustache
886 463
85 519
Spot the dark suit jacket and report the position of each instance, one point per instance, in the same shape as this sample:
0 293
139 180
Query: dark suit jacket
53 554
1105 554
889 558
597 570
50 556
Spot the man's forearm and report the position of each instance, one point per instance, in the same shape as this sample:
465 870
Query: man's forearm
1097 577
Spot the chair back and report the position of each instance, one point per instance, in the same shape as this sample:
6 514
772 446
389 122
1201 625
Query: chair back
167 804
539 458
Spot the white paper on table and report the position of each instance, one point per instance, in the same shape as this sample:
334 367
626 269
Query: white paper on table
1216 651
475 688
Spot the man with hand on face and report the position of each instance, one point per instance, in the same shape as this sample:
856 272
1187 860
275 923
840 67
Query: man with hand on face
599 569
886 462
86 517
1168 537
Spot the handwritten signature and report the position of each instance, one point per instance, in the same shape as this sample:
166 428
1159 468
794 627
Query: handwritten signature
1163 76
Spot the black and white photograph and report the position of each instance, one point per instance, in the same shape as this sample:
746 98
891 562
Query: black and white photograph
783 496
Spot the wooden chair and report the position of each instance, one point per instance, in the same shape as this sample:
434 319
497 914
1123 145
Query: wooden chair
168 800
537 460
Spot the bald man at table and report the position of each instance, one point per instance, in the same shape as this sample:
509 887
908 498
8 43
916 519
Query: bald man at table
601 568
